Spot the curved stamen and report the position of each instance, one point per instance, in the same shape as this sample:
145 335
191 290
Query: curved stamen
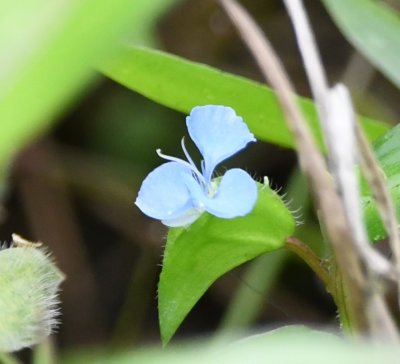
210 188
203 168
187 155
191 166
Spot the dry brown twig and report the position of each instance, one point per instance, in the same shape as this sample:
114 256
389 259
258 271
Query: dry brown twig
332 209
341 133
339 125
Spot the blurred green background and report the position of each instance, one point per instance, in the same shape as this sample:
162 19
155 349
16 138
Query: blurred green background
74 182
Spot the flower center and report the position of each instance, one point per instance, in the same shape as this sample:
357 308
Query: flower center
212 189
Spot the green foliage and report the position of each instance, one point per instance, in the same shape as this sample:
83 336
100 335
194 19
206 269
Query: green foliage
29 282
48 49
249 299
181 85
388 153
196 256
287 345
373 28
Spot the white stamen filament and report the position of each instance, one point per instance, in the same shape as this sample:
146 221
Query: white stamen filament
187 155
191 165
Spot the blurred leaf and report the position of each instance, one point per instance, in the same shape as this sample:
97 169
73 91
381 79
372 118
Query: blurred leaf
250 297
181 85
124 128
29 283
196 256
387 150
47 49
374 29
287 345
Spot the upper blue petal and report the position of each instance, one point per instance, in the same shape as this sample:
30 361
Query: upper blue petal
218 133
236 195
164 194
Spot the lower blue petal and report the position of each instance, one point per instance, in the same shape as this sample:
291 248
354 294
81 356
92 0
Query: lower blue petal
236 195
187 218
163 194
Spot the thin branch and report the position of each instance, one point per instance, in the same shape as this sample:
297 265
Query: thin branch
311 161
339 124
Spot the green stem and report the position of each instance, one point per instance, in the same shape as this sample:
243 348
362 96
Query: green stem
44 353
313 261
340 297
6 358
331 278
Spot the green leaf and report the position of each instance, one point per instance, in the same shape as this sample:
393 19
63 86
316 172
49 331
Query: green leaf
374 29
387 150
196 256
29 283
48 49
286 345
181 85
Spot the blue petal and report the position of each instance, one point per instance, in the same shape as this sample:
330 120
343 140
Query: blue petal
163 194
187 218
236 195
218 133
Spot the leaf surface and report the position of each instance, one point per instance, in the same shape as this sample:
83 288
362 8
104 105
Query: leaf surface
374 29
196 256
182 85
48 48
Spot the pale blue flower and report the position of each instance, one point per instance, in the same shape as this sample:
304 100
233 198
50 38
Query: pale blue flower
177 192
